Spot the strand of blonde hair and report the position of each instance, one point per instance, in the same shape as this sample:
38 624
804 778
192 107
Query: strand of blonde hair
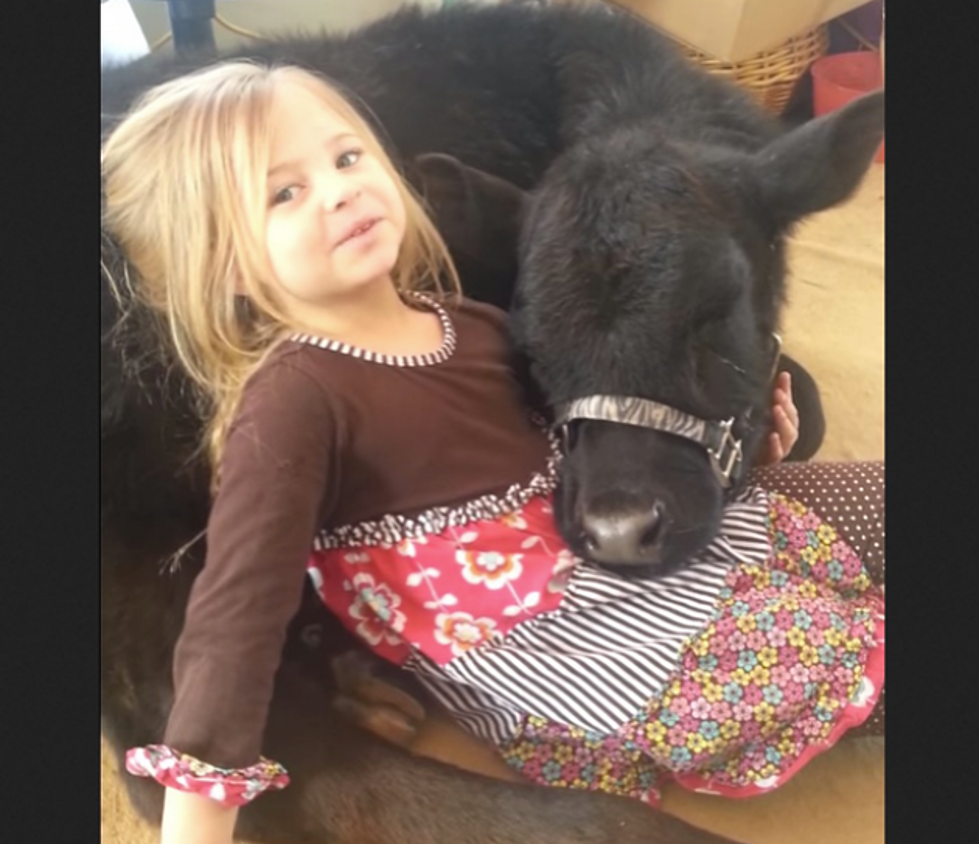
184 179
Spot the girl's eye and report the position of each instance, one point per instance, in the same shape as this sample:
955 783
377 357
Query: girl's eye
349 158
287 194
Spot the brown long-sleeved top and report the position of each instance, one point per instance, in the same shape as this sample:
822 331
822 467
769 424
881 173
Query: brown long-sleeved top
326 437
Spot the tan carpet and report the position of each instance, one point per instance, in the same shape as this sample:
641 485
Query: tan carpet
834 323
835 327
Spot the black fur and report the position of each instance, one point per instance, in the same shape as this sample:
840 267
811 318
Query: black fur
652 265
651 254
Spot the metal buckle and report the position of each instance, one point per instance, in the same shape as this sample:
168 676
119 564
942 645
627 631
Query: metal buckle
564 436
776 355
727 457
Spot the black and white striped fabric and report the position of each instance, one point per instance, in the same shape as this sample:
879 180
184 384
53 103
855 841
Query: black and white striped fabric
611 646
443 353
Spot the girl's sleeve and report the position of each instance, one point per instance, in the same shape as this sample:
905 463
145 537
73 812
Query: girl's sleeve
277 472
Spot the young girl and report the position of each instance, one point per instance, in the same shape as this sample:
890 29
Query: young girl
367 431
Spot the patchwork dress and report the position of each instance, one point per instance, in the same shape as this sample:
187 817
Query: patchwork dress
727 676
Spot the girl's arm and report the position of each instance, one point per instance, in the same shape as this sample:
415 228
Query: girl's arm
274 481
193 819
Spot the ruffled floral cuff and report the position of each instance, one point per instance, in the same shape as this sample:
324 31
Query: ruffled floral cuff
227 786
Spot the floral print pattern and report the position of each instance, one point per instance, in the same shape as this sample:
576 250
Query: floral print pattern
375 608
461 632
792 658
443 594
490 568
227 786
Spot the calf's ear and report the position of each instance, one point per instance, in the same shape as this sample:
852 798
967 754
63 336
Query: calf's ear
479 217
821 163
470 207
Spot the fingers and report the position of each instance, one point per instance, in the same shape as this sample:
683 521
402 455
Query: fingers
785 421
776 451
772 452
783 397
786 427
786 431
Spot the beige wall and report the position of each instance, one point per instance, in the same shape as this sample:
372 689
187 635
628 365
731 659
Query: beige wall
264 16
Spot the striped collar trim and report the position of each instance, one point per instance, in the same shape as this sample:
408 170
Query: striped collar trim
443 353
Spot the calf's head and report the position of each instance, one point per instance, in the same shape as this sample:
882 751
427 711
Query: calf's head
651 274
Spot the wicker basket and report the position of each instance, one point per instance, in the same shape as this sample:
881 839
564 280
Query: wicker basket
772 75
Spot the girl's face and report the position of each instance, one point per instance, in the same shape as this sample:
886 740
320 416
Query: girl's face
335 217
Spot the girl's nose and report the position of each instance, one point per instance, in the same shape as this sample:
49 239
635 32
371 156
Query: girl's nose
336 191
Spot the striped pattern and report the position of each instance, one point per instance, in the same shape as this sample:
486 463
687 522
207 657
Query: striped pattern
724 450
443 353
612 646
636 411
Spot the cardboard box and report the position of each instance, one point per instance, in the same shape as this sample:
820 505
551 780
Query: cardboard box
734 30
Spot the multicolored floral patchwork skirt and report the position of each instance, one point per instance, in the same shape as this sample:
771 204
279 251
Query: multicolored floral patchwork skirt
791 658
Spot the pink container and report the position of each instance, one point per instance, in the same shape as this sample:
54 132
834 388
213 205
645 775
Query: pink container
842 77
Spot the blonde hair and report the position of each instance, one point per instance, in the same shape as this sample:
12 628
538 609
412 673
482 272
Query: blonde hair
184 176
